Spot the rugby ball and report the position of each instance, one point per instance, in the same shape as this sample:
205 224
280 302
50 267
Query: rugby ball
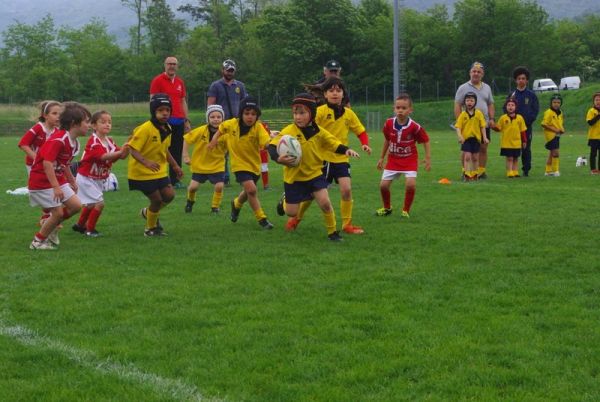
290 146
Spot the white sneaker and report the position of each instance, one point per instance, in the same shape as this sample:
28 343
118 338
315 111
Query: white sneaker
556 174
53 237
41 245
549 174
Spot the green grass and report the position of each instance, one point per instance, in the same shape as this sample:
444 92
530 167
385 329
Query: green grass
490 291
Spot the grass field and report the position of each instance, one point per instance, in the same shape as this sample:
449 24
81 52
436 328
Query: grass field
490 291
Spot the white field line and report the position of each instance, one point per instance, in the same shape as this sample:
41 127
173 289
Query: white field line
173 388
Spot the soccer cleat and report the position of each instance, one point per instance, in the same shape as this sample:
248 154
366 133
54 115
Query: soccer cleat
595 172
265 224
235 212
292 224
280 208
154 232
405 214
215 211
188 206
41 245
556 174
93 233
549 174
78 228
335 236
266 188
143 215
525 173
383 212
351 229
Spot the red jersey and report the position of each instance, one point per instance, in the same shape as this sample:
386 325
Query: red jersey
90 164
402 149
35 138
175 88
58 149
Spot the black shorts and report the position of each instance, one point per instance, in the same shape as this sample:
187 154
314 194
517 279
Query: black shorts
333 171
213 178
511 152
243 176
594 143
149 186
471 145
553 144
299 191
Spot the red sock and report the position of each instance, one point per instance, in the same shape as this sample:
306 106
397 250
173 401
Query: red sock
91 222
265 178
386 197
85 213
409 196
40 236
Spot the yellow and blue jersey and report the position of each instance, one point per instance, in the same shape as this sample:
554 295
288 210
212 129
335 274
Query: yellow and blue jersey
244 150
340 128
314 150
203 160
147 141
511 130
551 118
471 125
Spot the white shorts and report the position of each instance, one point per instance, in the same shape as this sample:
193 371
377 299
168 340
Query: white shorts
45 198
89 190
395 174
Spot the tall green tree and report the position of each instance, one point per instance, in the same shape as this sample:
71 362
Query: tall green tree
138 7
165 31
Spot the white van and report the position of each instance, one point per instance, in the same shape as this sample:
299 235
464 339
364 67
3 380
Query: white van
544 84
569 83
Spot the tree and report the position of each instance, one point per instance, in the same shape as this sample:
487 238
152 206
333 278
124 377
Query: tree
137 6
164 30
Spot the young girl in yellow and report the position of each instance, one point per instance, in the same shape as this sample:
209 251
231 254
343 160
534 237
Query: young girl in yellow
244 136
553 124
306 182
593 120
206 164
470 129
514 137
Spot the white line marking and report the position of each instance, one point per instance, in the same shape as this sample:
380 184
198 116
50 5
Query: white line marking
173 388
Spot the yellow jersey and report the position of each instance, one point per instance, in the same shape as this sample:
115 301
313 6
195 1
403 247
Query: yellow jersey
203 160
244 149
313 153
146 140
339 128
551 118
511 131
593 130
470 126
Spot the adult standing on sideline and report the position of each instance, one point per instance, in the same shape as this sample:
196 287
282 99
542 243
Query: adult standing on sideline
331 69
171 84
485 103
528 107
227 92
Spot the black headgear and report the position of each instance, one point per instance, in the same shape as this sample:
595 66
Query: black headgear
520 70
158 100
470 95
249 102
307 100
556 96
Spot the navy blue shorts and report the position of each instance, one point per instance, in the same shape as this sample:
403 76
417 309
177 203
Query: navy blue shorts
300 191
554 143
512 152
594 143
333 171
471 145
243 176
213 178
149 186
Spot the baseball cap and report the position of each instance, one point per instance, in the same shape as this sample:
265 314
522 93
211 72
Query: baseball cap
333 65
229 64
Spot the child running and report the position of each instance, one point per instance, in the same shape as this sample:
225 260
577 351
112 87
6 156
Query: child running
306 182
593 120
51 183
149 161
553 128
514 137
94 168
245 136
402 134
470 129
338 120
205 164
